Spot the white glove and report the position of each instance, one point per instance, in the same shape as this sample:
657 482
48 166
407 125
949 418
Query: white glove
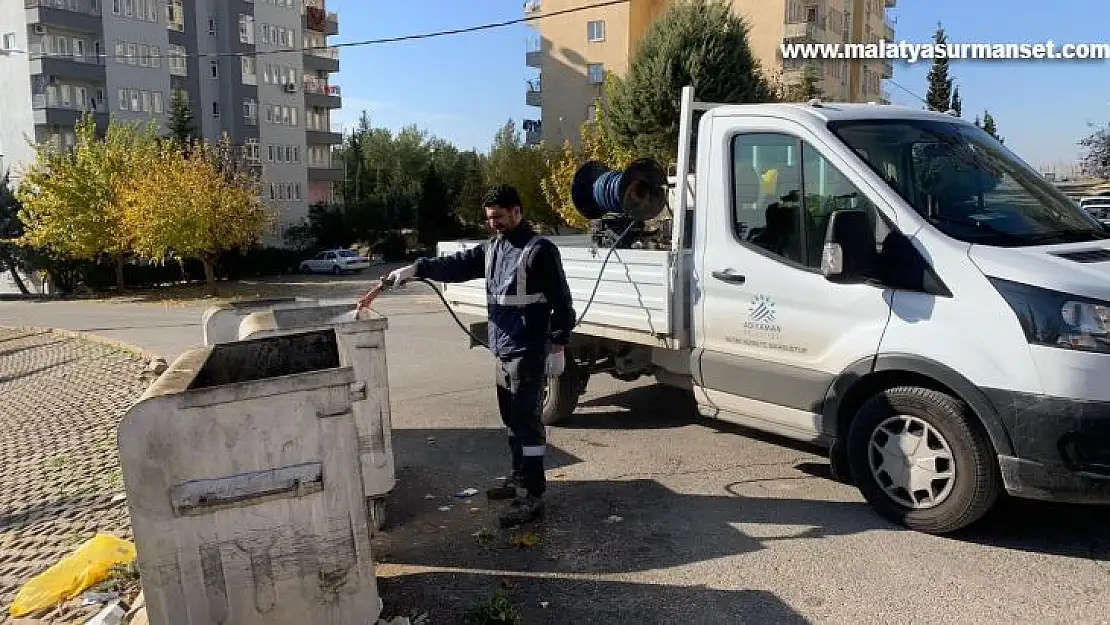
402 275
556 362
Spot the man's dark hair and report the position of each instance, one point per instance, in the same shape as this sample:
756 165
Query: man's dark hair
503 196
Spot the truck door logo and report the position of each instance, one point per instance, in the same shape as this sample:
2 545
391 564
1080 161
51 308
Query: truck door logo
762 310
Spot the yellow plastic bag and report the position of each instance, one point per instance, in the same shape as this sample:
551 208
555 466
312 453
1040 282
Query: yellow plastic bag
88 565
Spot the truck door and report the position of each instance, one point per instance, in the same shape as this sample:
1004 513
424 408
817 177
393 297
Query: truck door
771 332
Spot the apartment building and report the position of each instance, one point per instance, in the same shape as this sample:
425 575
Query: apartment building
255 70
573 52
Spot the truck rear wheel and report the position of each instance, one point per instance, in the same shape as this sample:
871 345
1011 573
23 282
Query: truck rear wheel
920 459
561 393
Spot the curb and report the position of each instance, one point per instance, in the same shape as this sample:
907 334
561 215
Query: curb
145 355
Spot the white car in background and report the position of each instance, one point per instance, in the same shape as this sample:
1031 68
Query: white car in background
1097 206
335 262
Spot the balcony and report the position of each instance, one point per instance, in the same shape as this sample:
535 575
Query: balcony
324 59
533 54
319 93
87 68
49 110
318 172
76 15
322 137
800 32
532 97
321 21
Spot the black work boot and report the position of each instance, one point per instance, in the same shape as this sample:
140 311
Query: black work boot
523 509
507 490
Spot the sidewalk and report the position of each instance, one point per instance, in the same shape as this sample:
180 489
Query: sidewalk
61 398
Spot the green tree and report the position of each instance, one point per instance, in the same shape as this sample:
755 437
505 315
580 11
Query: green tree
939 95
472 187
435 215
957 103
522 166
702 43
988 125
11 230
72 197
180 123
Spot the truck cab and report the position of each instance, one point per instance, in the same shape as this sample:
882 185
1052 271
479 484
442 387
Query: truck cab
891 283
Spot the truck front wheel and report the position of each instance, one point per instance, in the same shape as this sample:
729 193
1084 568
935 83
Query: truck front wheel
920 459
560 394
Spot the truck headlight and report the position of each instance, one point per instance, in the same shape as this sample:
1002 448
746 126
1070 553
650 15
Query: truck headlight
1058 319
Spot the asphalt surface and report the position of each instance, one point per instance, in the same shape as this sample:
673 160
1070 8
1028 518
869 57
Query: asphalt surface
655 515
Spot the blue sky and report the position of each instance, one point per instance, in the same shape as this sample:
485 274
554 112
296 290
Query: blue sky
464 87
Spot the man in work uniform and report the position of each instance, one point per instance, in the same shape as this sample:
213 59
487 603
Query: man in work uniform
530 322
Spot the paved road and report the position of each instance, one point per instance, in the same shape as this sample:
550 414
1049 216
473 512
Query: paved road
656 515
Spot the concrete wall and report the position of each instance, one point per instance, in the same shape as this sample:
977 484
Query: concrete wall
16 118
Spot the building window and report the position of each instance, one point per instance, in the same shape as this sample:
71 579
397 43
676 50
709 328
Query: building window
216 110
121 52
176 60
159 107
253 150
246 29
132 54
175 15
214 69
212 26
595 30
595 73
250 111
248 67
811 14
155 56
144 55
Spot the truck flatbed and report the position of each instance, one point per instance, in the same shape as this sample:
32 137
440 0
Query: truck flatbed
633 298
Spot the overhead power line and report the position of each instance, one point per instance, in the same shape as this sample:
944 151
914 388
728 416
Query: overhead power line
356 44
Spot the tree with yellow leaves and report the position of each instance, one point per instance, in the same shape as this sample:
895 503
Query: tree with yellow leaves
196 205
72 196
597 144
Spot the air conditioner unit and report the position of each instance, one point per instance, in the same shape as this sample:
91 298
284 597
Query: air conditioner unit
290 87
40 29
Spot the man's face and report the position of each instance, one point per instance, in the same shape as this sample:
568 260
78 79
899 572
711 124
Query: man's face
501 219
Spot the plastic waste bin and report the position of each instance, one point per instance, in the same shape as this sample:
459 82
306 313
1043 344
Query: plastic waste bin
241 469
361 338
221 323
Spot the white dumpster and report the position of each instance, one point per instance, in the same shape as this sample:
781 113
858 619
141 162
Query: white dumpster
361 339
221 323
242 478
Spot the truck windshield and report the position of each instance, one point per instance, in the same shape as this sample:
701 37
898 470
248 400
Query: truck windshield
966 183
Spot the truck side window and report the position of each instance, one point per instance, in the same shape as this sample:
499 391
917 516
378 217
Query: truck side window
827 190
784 192
767 194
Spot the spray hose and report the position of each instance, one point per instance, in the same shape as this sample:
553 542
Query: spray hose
385 282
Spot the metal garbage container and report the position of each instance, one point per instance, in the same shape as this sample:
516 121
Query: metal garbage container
361 338
242 478
221 323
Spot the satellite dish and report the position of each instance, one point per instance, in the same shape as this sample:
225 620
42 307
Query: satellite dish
639 192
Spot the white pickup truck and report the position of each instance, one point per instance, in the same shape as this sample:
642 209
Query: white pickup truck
888 282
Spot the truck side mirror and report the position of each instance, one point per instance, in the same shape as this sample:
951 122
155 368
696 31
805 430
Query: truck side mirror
849 254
